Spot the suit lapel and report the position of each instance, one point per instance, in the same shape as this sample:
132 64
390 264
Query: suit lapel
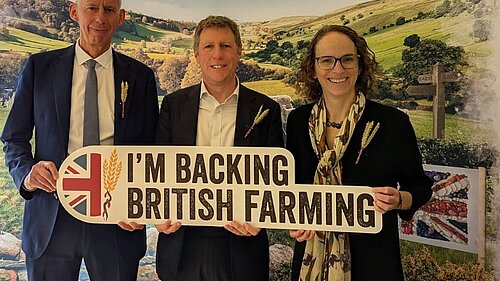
188 116
245 114
122 72
62 79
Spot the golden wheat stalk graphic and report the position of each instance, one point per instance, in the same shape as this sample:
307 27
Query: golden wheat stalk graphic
112 170
258 118
123 96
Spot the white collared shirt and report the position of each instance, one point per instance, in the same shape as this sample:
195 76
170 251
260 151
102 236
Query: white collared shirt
105 98
216 121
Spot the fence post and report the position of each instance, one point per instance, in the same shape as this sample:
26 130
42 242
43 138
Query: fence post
481 204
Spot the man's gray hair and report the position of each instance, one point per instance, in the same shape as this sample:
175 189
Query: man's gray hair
119 3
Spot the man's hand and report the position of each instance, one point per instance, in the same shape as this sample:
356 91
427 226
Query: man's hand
302 235
168 227
244 229
43 175
130 226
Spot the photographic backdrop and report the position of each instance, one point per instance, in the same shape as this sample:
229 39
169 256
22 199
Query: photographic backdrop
407 36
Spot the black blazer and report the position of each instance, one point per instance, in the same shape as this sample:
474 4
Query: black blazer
42 102
392 157
177 126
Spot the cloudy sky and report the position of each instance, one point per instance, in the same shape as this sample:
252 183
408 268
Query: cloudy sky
240 10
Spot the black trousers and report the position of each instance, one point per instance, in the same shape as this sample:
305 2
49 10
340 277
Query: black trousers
73 240
204 258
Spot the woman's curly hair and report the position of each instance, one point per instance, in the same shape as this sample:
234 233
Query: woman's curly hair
308 86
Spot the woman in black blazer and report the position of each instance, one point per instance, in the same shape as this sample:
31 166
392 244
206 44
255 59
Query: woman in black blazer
344 138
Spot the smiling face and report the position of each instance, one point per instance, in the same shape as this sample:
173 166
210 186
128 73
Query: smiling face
218 56
98 20
336 82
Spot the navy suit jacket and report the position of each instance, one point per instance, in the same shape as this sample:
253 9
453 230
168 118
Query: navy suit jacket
177 126
42 102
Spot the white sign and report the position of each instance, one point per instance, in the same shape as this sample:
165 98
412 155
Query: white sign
207 186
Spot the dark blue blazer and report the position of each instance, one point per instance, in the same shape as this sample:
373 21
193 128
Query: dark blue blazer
42 105
177 126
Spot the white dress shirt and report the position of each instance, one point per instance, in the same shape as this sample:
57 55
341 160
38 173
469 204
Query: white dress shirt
105 98
216 121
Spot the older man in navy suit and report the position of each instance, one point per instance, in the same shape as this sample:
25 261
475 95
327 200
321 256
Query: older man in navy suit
50 100
217 112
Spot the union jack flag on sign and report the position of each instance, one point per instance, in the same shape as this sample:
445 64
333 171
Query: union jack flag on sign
82 184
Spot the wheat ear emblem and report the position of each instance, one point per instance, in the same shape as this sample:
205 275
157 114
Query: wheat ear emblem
368 135
123 96
112 171
258 118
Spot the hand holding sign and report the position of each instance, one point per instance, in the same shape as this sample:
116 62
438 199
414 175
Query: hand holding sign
241 188
302 235
244 229
43 175
168 227
131 226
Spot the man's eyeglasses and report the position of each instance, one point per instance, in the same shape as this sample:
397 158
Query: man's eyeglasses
329 62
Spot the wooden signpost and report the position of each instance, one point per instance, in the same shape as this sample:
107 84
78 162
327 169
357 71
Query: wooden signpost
437 79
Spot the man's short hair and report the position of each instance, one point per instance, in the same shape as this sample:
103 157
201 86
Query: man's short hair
119 3
217 22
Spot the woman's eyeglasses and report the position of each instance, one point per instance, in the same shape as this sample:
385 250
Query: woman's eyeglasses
329 62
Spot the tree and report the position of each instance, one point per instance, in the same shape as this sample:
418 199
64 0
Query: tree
286 45
412 41
192 75
139 55
400 21
373 29
421 59
171 73
250 71
10 67
481 29
301 44
272 44
443 9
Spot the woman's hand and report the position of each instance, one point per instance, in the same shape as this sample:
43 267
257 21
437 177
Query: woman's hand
302 235
388 198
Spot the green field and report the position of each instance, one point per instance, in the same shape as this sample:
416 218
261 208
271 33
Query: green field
273 66
152 35
22 41
456 128
271 88
11 203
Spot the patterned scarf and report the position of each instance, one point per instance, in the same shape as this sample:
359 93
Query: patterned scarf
327 255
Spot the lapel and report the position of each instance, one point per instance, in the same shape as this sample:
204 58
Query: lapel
187 112
245 114
122 72
62 76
